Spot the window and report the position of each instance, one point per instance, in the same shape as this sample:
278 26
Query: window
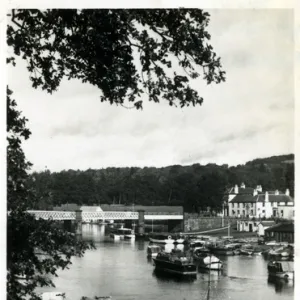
244 205
233 212
238 204
263 211
251 204
251 212
243 212
281 213
238 212
263 204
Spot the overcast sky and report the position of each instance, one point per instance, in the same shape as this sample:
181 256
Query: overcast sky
249 116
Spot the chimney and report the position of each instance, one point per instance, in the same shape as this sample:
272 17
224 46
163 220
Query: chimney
243 185
287 192
267 197
259 188
276 192
236 189
255 192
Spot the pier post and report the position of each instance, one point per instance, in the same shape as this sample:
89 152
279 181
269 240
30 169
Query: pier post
141 222
78 221
67 225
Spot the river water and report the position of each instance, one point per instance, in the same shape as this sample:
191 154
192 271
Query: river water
121 270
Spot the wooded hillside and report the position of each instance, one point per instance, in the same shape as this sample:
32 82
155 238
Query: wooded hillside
195 187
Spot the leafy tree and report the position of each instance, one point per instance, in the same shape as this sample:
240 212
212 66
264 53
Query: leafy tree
125 53
35 248
100 47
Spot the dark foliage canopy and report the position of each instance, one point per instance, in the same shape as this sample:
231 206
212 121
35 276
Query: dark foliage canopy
125 53
195 187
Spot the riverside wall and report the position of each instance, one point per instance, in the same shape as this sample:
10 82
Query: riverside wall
193 222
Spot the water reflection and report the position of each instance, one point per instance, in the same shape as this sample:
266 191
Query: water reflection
164 276
121 269
281 286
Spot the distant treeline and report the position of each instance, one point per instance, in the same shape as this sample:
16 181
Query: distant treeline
196 187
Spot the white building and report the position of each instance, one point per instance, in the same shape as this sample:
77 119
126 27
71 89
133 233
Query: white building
249 202
263 225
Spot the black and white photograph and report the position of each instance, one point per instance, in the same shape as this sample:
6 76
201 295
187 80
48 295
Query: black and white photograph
150 153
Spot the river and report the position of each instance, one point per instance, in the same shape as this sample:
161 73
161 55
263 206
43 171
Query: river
122 270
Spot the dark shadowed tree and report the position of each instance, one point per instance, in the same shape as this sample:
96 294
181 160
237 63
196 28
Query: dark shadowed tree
35 248
127 54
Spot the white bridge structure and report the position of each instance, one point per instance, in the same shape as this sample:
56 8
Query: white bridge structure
103 215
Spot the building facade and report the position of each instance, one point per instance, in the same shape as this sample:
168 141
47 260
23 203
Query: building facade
283 232
250 202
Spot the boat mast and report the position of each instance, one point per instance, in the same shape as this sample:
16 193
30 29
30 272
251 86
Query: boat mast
208 291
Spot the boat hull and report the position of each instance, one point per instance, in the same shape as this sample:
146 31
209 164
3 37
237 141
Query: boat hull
129 237
176 269
282 275
165 241
212 267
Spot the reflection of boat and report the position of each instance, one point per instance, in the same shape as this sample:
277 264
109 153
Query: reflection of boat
161 239
153 250
281 269
120 233
281 285
175 263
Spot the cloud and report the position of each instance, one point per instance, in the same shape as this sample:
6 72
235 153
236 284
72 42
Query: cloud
250 115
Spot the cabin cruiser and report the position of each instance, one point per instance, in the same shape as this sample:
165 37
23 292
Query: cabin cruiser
176 263
281 269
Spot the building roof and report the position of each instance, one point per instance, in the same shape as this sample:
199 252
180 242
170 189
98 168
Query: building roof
241 191
275 198
267 223
160 209
244 199
282 227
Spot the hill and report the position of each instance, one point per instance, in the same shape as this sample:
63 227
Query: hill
195 187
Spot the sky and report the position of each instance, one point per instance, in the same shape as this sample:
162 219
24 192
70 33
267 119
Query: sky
249 116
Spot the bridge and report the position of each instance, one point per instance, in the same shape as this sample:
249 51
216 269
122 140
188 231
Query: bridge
103 215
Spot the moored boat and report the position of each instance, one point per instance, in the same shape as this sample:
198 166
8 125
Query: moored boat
221 250
210 262
162 239
153 250
130 236
120 233
281 269
175 263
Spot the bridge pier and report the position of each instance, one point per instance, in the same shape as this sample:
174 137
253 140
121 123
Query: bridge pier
141 222
67 225
78 222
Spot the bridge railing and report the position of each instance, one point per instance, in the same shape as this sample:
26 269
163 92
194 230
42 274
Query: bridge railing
104 215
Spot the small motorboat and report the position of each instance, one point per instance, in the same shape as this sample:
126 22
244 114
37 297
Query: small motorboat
130 236
281 269
153 250
210 262
247 250
120 234
162 239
